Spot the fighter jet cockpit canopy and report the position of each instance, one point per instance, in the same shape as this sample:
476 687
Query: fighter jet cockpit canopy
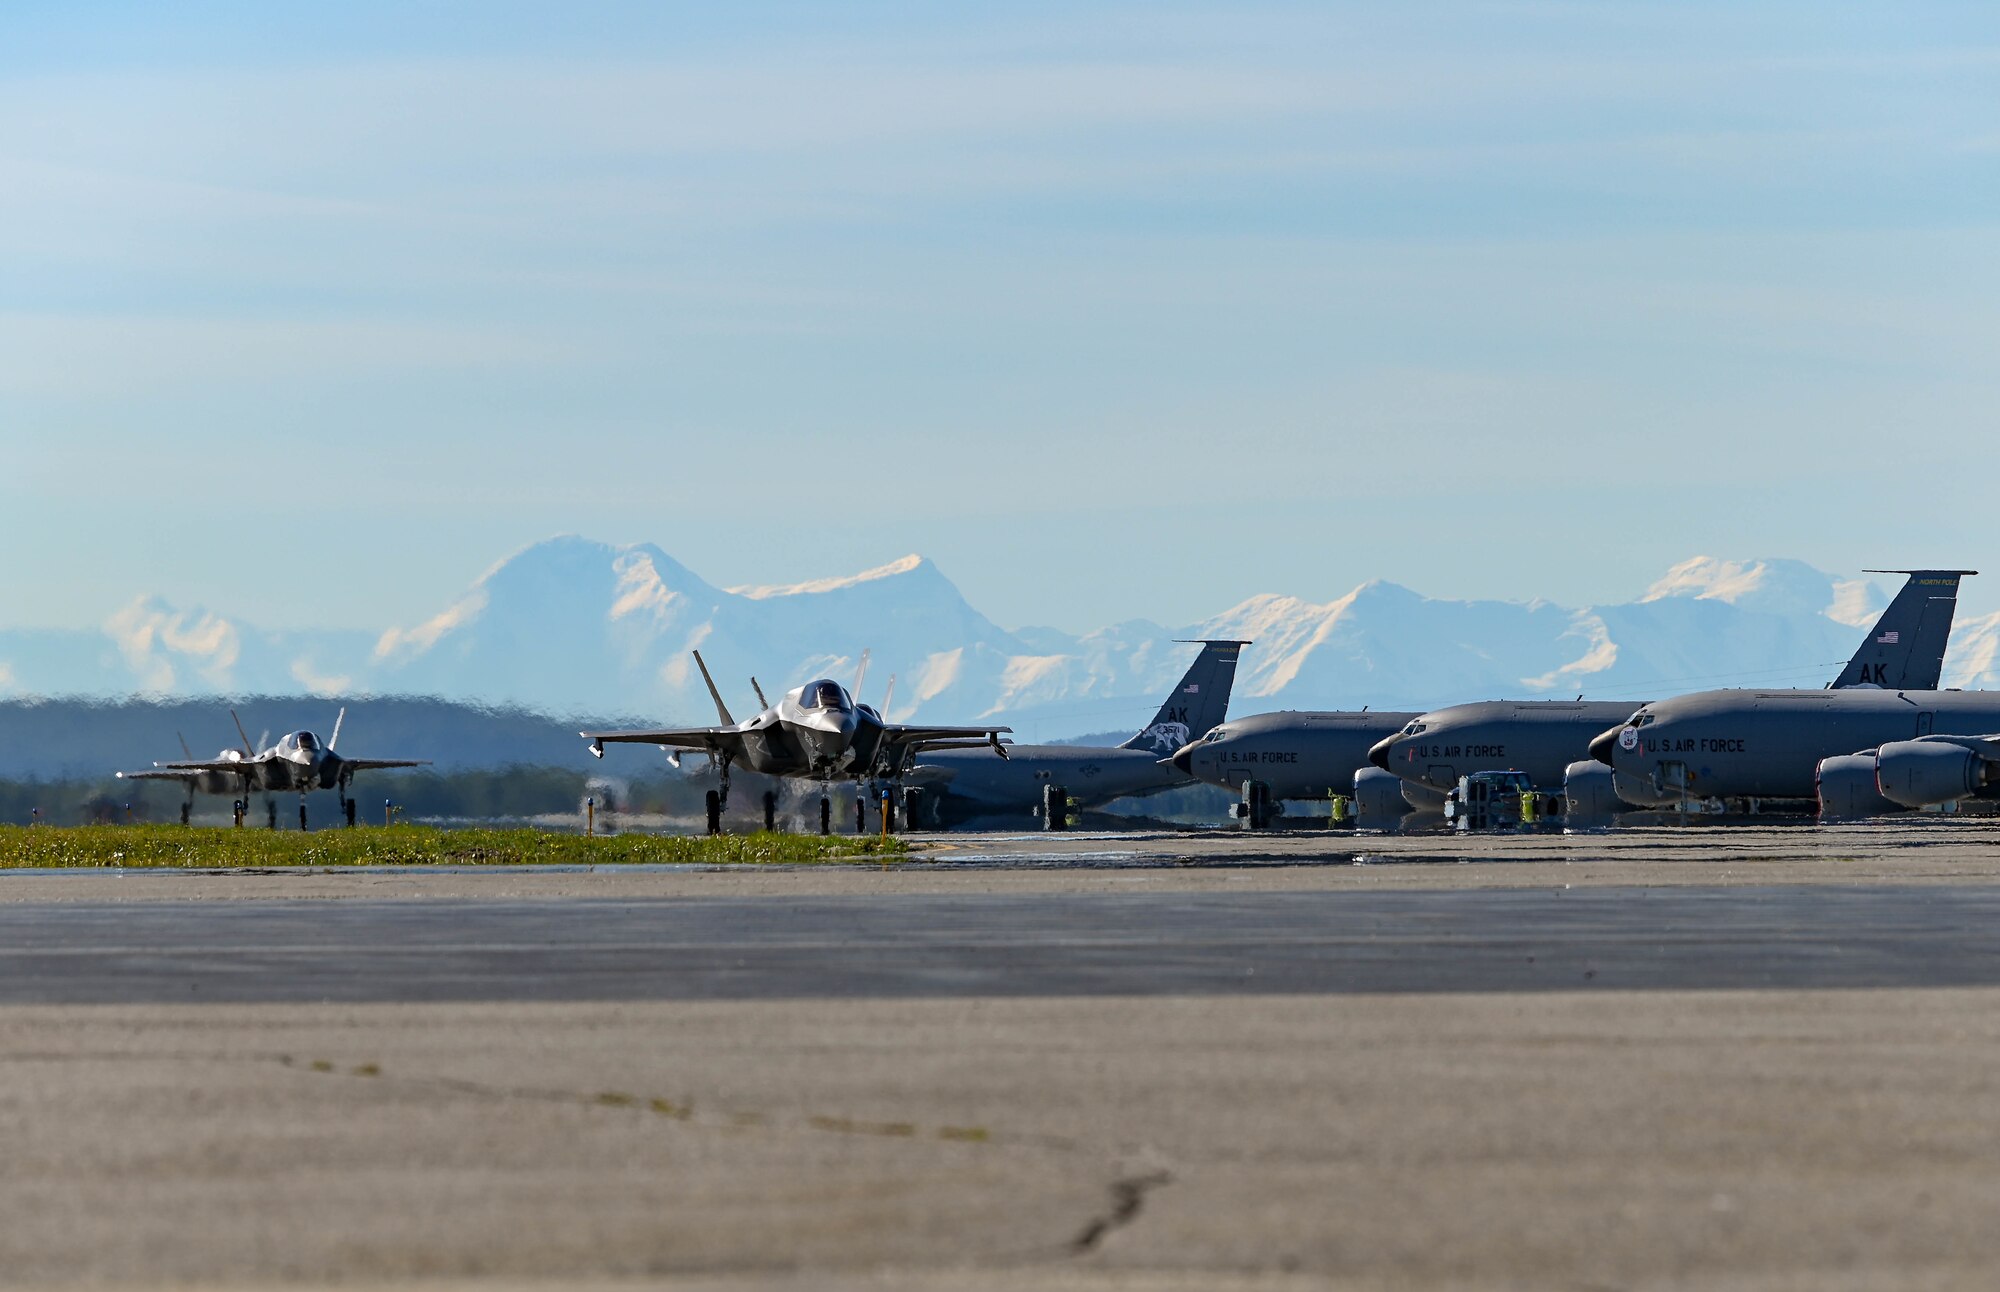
306 741
824 694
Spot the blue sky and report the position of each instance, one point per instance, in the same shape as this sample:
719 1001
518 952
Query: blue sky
1115 311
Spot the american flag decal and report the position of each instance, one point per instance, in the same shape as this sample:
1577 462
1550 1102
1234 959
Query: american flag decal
1192 688
1889 638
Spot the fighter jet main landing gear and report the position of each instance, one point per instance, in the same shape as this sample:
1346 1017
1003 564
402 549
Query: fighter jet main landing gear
825 814
347 809
770 809
271 813
714 800
860 814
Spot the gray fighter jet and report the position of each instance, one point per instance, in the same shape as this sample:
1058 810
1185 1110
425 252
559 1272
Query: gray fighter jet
814 732
1546 738
960 786
297 763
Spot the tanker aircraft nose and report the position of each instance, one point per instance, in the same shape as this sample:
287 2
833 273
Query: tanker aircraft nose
1379 752
1182 760
1605 745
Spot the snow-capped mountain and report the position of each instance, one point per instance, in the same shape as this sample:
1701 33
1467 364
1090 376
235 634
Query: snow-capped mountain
575 626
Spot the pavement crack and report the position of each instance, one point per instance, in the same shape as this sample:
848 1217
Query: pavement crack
1128 1199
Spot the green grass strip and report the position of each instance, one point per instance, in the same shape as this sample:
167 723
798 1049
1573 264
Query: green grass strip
202 848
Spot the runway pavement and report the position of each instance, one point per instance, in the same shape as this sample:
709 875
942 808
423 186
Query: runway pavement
1756 1060
899 946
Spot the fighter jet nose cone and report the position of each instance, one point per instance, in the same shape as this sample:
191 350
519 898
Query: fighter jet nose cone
1379 753
1601 748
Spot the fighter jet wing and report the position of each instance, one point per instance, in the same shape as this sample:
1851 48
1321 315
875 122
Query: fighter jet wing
377 764
189 770
712 739
908 740
164 774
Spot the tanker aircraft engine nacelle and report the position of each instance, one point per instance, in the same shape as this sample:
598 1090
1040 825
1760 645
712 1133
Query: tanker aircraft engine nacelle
1846 788
1926 773
1588 793
1378 797
1422 798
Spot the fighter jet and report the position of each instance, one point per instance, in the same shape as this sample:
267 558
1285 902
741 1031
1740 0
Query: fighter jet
960 785
1548 739
298 762
814 732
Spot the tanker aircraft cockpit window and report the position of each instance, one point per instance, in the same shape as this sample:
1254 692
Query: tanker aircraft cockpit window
824 695
1416 729
1645 719
1213 736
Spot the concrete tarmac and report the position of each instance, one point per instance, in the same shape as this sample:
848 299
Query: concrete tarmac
1736 1062
898 946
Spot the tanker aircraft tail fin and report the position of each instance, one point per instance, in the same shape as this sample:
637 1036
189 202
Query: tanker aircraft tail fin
1197 702
1904 651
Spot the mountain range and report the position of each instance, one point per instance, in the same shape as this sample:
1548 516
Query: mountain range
570 626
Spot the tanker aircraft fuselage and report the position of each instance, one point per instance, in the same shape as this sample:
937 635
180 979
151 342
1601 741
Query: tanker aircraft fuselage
1300 755
1768 744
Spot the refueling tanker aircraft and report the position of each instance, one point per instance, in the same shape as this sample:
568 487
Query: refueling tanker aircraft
1305 756
1857 753
298 762
1417 758
815 732
960 785
1550 740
